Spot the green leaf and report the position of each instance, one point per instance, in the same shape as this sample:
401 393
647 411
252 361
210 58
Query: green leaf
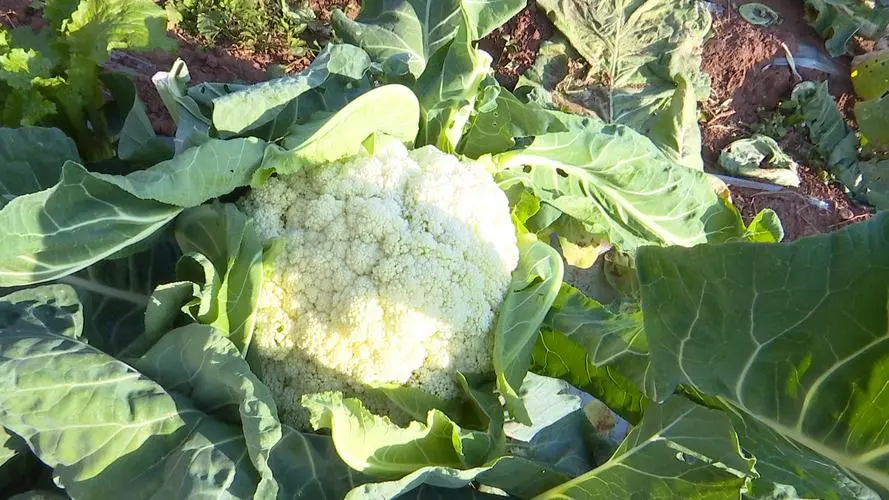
620 186
32 159
98 27
837 143
192 125
108 431
795 337
645 60
790 470
115 295
478 408
197 361
839 20
759 14
128 121
495 130
558 434
52 308
870 74
390 109
765 228
745 157
534 286
556 355
228 239
613 345
447 90
213 169
78 222
871 119
416 29
246 110
680 450
376 447
676 131
515 475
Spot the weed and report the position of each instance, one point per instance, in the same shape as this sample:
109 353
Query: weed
256 24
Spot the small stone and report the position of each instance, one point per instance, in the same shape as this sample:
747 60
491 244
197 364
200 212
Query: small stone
846 214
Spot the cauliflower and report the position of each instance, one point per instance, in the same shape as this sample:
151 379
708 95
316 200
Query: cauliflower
392 271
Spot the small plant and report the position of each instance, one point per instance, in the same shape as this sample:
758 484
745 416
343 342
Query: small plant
257 24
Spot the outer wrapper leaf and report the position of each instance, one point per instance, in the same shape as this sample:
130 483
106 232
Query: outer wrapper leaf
621 187
390 109
229 241
794 338
534 286
377 447
245 110
47 238
201 173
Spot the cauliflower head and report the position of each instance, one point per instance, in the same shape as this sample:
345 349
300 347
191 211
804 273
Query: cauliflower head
392 269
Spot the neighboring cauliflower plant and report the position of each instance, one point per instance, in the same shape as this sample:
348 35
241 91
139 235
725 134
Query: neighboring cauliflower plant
392 271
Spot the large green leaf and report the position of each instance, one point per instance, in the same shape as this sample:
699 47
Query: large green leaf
680 450
52 308
599 351
621 187
645 58
534 286
556 355
31 160
78 222
198 361
245 110
212 169
108 431
787 468
414 30
612 339
228 239
794 337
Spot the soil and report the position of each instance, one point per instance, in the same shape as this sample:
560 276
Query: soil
514 45
746 89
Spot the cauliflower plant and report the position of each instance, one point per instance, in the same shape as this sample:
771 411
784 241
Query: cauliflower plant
392 271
